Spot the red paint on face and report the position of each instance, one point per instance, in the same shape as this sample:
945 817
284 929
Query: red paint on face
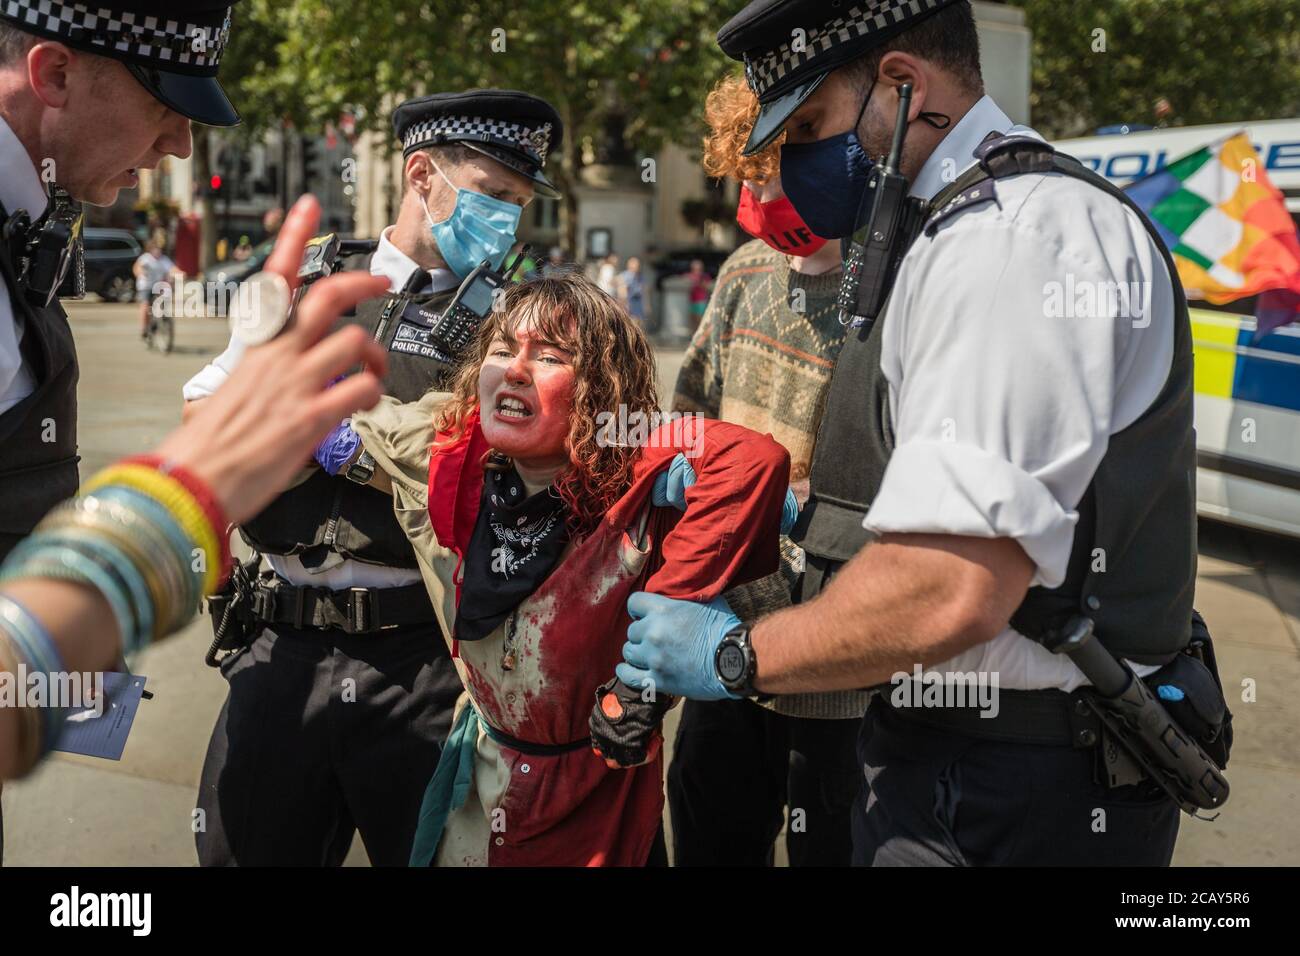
537 375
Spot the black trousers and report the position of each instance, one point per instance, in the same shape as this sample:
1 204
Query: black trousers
324 734
736 766
940 799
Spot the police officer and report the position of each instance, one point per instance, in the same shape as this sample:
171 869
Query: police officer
1013 465
338 707
121 77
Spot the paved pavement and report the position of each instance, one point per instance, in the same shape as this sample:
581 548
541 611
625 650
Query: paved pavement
139 811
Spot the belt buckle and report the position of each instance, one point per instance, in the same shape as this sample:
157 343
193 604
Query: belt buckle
299 599
263 604
359 609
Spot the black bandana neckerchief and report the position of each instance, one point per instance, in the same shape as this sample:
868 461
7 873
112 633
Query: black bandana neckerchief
517 542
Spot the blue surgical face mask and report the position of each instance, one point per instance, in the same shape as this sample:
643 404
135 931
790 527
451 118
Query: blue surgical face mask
479 227
825 182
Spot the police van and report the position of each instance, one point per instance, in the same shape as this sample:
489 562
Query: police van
1247 393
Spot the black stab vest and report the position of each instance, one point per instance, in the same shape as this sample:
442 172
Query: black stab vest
38 466
330 513
1139 509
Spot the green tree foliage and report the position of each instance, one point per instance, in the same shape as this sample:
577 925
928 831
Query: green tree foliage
642 68
251 68
1215 61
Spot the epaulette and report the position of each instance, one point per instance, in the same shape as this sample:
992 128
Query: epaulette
1000 155
983 191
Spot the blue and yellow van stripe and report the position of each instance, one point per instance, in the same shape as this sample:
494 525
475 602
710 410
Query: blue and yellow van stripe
1229 366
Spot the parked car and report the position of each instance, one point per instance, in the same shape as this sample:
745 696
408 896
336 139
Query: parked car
110 254
223 280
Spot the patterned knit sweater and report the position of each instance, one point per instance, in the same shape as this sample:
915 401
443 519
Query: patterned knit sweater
762 357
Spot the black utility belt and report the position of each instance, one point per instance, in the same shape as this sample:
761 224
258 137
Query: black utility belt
1050 718
354 610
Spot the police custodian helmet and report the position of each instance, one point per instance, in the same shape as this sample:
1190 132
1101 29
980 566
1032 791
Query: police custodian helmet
516 129
172 47
790 46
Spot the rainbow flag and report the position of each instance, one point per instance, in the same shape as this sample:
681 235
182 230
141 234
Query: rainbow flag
1228 229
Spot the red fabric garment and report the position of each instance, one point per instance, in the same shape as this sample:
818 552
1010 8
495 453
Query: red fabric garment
571 809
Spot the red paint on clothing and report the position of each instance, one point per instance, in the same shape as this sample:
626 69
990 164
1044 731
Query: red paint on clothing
571 809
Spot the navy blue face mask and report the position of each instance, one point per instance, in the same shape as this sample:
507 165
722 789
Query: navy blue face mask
826 180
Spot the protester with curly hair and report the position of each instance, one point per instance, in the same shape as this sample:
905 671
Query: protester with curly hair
528 495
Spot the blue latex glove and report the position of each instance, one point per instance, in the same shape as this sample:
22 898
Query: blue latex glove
789 511
670 489
337 448
670 486
671 645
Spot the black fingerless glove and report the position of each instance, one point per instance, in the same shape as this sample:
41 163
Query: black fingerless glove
625 727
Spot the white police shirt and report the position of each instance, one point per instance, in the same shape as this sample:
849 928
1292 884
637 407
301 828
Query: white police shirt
1003 398
20 188
338 572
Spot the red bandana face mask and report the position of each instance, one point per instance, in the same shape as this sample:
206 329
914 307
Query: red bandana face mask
777 224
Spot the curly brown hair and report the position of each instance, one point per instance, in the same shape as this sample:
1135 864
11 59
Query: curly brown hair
613 366
730 111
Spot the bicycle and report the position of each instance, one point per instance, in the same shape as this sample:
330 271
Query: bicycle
161 332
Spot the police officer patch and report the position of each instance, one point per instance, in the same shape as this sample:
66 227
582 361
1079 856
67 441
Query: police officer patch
412 335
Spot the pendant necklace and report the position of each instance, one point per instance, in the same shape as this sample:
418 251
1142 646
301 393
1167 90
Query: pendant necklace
508 646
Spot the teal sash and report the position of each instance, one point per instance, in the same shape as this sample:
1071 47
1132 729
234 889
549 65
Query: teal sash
449 787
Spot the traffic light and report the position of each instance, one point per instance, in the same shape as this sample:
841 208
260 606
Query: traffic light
216 186
312 160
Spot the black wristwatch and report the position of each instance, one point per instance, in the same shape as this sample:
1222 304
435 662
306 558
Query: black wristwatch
361 470
735 663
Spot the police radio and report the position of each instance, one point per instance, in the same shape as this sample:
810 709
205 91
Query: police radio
460 321
49 255
64 209
891 222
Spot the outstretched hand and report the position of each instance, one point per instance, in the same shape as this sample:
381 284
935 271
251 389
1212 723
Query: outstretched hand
249 439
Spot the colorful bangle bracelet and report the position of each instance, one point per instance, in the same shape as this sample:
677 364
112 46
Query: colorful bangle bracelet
145 548
34 644
105 548
171 495
21 622
148 551
168 493
202 494
203 497
169 538
59 562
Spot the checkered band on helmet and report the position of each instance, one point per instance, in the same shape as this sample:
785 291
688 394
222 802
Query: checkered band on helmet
870 16
534 143
165 41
